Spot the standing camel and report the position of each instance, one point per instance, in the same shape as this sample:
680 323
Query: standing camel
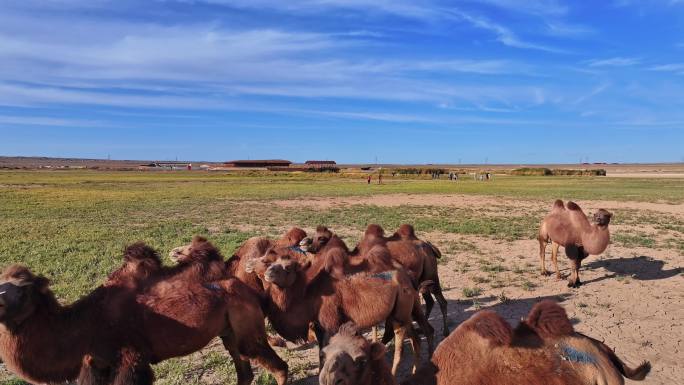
568 226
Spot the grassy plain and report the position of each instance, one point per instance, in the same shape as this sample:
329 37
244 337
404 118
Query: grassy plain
72 225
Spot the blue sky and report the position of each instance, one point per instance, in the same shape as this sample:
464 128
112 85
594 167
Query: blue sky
406 81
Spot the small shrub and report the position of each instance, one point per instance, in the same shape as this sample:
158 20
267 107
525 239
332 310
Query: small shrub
470 292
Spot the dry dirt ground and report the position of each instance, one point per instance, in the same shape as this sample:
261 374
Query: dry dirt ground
632 297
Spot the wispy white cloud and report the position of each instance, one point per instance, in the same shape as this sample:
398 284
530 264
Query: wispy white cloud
540 7
568 30
504 35
614 62
595 91
670 67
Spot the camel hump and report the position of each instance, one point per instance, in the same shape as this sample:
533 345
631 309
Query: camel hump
140 251
407 231
573 206
558 204
490 326
548 319
375 230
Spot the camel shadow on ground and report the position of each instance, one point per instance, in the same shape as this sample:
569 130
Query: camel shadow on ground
643 268
513 310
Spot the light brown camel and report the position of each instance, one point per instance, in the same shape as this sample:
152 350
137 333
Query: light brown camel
418 257
302 294
350 359
567 226
543 350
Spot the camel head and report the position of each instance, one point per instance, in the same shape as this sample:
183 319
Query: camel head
284 270
602 217
20 293
200 249
320 239
347 358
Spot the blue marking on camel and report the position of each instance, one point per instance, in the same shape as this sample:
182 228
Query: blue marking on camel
213 286
570 354
385 275
297 249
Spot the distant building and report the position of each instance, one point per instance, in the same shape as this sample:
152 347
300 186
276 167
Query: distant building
321 163
258 163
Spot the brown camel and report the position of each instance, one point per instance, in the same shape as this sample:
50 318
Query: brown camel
239 265
418 257
43 341
350 359
374 257
567 226
543 349
201 262
301 294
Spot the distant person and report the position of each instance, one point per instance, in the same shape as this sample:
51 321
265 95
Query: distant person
369 179
379 178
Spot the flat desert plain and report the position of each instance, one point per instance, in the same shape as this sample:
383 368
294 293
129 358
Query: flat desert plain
72 225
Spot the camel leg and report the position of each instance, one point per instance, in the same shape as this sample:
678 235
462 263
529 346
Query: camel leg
542 256
428 330
574 277
399 336
92 374
389 333
429 303
375 333
133 370
245 375
415 345
437 291
554 258
269 360
322 338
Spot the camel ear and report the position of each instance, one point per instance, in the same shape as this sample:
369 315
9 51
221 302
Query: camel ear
377 351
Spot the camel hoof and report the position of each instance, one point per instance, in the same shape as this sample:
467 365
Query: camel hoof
574 285
545 273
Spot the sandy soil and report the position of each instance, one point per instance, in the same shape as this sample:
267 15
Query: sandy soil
632 299
472 201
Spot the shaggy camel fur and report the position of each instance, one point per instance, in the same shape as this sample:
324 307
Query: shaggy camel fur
239 265
350 359
418 257
201 262
543 349
43 341
300 294
567 226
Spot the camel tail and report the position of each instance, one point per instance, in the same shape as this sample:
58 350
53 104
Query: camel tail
636 374
426 286
434 249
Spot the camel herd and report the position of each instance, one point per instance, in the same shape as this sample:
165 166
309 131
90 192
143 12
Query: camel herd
309 288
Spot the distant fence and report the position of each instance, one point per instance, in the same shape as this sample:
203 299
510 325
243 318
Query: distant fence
543 171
